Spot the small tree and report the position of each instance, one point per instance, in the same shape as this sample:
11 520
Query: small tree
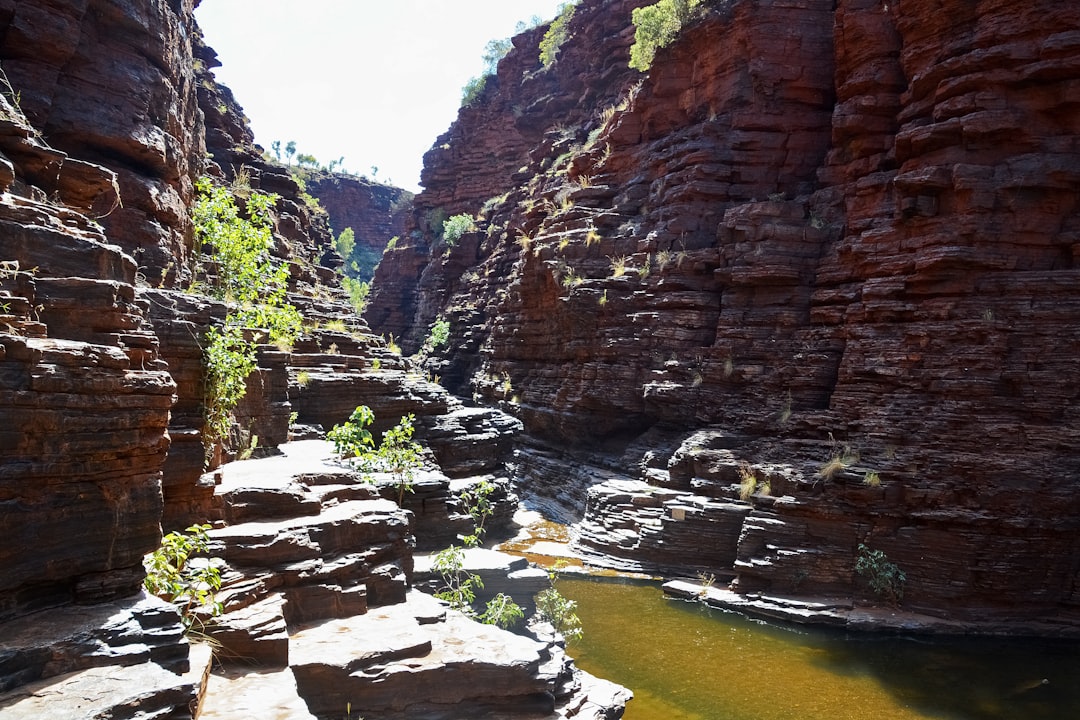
455 226
885 578
657 26
190 586
557 34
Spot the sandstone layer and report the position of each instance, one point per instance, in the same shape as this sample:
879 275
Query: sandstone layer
838 239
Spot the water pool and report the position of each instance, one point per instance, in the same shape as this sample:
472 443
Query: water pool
685 661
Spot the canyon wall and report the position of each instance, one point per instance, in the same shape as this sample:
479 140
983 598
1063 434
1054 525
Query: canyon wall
824 251
108 114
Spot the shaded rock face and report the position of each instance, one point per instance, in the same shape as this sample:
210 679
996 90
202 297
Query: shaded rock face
113 83
375 212
824 230
84 397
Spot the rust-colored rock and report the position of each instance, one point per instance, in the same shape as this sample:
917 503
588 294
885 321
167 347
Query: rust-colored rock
821 230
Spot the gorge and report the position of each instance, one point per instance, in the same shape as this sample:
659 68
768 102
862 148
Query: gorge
792 311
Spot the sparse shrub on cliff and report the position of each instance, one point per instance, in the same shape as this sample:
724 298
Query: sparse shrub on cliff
557 34
455 226
358 292
840 461
245 276
747 481
439 334
885 578
494 51
558 610
353 439
657 26
190 586
459 586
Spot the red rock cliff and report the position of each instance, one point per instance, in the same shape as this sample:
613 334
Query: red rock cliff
824 230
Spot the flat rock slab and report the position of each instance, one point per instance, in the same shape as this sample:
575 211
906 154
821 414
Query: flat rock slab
146 690
264 694
416 653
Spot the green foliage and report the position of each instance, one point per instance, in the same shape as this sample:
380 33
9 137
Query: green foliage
191 587
229 360
397 454
455 226
345 243
439 333
885 578
557 34
502 611
494 51
353 439
477 500
560 612
472 89
358 292
459 587
657 26
249 280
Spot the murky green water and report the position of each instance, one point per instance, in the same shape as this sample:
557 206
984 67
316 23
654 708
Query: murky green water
686 662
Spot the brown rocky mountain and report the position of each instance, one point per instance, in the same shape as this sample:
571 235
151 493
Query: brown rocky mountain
109 113
825 251
807 284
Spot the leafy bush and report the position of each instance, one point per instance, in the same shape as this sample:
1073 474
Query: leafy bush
247 278
455 226
439 333
191 587
229 358
885 578
494 51
560 612
353 439
657 26
459 587
472 90
397 454
358 292
557 34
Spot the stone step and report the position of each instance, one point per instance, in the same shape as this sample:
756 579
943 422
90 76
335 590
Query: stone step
145 690
419 650
237 693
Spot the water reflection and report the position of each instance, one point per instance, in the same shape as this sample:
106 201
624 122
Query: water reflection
686 662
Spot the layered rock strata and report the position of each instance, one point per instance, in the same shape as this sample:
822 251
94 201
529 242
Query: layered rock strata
841 237
317 575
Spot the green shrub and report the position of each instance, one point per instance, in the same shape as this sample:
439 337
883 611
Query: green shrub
560 612
657 26
353 439
456 226
472 90
190 587
397 454
439 333
255 287
458 586
557 34
885 578
494 51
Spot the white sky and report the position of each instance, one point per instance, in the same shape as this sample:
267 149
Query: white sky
375 81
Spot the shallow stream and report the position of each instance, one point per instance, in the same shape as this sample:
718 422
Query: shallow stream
687 662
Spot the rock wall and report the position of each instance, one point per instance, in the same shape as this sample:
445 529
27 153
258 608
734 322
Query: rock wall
85 397
113 83
840 235
375 212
